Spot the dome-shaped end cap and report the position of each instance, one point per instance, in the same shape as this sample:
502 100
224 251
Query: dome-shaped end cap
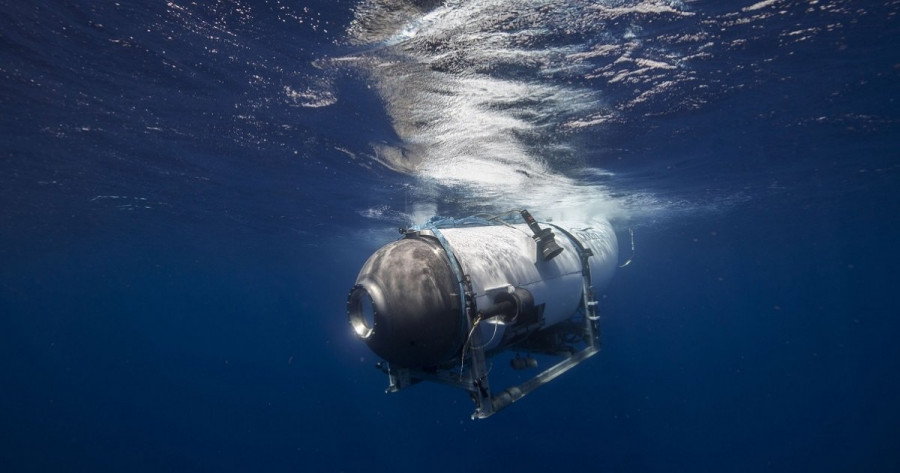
415 319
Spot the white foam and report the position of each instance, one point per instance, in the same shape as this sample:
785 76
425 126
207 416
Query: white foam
310 98
759 5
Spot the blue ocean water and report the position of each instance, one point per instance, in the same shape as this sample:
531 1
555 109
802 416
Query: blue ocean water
188 190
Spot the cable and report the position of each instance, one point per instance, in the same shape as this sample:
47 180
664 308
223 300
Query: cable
482 347
462 358
468 344
497 216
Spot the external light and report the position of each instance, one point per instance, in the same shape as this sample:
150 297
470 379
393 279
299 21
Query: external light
543 237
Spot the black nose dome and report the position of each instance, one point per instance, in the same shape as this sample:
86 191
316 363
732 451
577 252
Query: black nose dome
405 304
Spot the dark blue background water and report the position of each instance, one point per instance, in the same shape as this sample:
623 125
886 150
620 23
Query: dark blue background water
187 193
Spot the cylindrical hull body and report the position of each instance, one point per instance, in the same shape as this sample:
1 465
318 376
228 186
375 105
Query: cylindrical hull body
498 257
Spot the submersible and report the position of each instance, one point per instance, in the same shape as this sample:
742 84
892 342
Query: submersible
452 294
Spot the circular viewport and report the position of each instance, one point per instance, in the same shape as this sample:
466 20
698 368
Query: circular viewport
361 311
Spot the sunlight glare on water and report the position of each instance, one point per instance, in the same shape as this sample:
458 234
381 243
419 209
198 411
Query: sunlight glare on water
486 96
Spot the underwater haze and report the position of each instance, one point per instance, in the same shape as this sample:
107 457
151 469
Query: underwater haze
188 190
